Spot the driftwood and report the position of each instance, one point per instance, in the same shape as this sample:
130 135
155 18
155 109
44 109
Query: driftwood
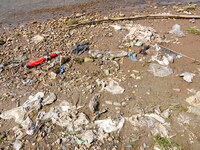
153 16
188 57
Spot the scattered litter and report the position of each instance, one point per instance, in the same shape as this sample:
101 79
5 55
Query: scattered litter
143 51
118 53
28 81
62 69
109 125
50 99
34 101
65 115
93 104
187 76
80 48
138 43
19 113
17 145
132 56
70 133
141 35
43 59
37 39
159 70
111 86
116 27
176 29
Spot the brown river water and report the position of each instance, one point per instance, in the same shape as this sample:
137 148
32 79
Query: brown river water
15 12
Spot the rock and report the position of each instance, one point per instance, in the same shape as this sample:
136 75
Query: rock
93 104
52 75
50 99
194 100
88 136
106 71
2 42
112 86
17 145
87 59
37 39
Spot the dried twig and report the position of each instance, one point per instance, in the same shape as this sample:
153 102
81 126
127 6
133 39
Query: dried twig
153 16
193 59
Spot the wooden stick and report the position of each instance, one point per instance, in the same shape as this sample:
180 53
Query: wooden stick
193 59
156 16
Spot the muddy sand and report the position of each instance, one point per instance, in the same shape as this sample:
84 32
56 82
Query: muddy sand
108 93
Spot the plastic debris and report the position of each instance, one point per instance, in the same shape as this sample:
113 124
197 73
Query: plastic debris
93 104
176 29
188 77
43 59
107 54
50 99
70 133
192 91
65 115
143 51
118 53
109 125
116 27
163 61
111 86
159 70
28 81
141 34
17 145
138 43
18 114
62 69
37 39
34 101
80 48
132 56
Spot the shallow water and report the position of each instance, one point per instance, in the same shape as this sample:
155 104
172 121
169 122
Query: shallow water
15 11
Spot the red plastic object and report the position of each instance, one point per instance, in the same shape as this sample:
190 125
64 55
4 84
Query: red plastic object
42 59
